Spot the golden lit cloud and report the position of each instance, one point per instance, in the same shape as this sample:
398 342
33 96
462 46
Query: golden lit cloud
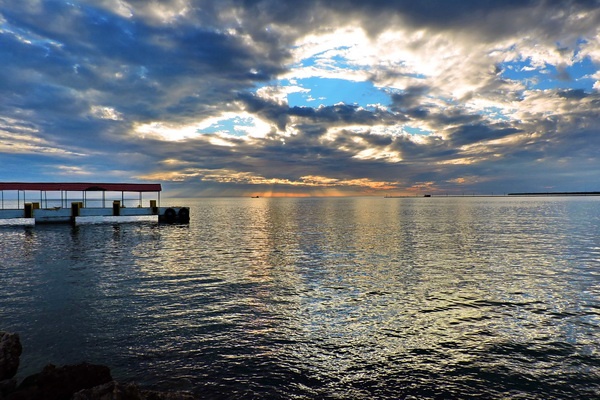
466 180
385 154
248 178
106 113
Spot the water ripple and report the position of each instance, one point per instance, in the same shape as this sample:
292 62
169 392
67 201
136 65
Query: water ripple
321 298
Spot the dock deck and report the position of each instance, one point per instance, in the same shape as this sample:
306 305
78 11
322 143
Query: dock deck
76 212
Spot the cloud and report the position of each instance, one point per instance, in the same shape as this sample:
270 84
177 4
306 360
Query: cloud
469 134
473 92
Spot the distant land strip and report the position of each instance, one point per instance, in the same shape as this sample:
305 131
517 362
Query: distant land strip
556 194
523 194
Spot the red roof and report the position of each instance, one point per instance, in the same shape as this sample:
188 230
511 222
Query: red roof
81 186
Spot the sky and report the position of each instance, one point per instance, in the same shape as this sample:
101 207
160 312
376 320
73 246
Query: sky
303 98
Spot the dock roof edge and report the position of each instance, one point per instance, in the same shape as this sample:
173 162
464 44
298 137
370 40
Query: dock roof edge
82 186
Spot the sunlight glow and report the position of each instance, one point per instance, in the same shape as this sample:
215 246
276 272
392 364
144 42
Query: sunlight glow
248 178
240 124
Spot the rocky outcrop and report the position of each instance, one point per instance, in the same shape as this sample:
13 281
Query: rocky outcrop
7 386
117 391
61 383
78 382
10 351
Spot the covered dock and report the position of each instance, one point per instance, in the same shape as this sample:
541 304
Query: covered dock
75 201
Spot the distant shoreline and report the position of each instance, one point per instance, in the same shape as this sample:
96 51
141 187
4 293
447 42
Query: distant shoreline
556 194
517 194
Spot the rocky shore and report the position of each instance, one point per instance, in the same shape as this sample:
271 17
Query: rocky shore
70 382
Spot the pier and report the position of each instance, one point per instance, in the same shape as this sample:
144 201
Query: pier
68 207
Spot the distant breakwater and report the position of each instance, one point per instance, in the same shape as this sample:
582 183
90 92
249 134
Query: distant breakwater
555 194
516 194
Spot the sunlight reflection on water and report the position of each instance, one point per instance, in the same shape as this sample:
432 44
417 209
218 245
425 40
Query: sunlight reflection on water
297 298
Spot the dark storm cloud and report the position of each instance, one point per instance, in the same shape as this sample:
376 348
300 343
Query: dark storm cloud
61 59
469 134
576 94
409 98
431 12
100 33
106 43
376 15
328 115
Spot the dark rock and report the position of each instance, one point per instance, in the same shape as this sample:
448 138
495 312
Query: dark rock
117 391
110 391
10 351
151 395
7 386
78 382
60 383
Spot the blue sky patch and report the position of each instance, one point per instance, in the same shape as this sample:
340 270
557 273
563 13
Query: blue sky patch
416 131
232 126
576 76
327 92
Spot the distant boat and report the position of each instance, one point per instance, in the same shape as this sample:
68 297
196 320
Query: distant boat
255 197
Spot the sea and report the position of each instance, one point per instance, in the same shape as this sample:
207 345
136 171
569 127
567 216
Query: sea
320 298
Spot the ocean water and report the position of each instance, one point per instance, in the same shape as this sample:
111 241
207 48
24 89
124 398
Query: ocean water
343 298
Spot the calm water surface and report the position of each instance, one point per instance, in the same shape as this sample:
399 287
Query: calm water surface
351 298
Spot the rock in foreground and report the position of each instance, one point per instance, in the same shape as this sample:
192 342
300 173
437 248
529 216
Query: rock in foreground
78 382
10 351
117 391
61 383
